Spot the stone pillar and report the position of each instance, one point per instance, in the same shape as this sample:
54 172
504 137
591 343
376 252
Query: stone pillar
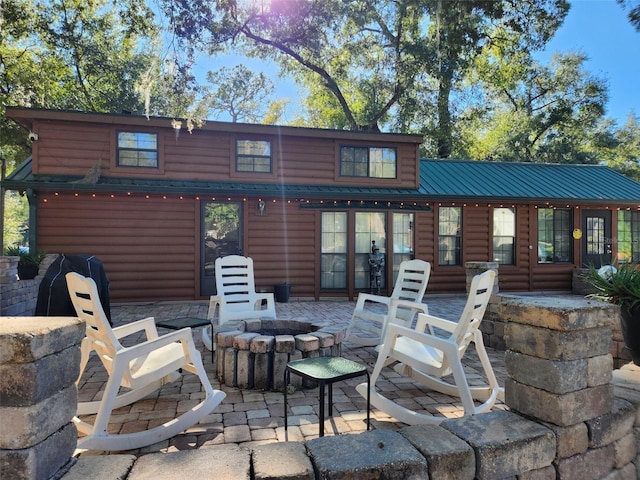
476 268
39 364
560 368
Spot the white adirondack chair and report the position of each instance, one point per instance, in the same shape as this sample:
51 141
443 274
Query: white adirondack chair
138 370
372 311
427 358
236 297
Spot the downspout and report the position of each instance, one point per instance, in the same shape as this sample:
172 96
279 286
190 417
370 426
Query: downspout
33 220
3 170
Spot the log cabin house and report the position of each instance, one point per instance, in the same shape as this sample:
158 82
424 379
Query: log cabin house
158 203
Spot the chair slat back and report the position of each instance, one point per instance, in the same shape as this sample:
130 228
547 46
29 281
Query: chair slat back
477 301
411 285
86 301
234 280
412 280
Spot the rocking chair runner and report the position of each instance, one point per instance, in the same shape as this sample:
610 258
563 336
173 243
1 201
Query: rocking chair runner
236 297
372 313
141 369
427 358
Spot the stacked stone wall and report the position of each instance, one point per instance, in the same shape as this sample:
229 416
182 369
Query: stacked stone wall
493 325
39 364
19 297
560 370
563 423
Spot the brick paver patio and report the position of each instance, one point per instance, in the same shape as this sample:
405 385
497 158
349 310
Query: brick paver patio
251 417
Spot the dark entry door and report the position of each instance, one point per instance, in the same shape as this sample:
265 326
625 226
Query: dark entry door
596 238
221 236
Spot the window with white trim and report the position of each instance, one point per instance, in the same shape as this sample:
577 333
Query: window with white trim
449 235
137 149
628 236
504 235
253 156
372 162
555 240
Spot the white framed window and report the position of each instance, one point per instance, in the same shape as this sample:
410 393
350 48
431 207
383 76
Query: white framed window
253 156
372 162
137 149
504 235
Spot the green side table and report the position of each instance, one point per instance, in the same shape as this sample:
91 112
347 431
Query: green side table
325 371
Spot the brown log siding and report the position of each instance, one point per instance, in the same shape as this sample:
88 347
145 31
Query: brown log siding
151 246
147 246
151 250
205 155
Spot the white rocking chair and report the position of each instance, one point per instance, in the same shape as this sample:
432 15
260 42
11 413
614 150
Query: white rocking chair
428 358
236 297
140 369
372 311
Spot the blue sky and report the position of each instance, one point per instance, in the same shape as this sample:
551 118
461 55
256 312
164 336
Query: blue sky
598 28
601 30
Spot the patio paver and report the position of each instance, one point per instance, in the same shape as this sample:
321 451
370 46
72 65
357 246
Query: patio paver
248 418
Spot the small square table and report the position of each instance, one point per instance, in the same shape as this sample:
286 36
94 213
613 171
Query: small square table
325 370
182 322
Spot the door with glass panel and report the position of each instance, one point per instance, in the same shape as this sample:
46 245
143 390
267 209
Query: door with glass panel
403 248
221 236
596 237
333 251
370 227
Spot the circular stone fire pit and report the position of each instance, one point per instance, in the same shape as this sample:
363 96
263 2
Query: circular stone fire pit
254 353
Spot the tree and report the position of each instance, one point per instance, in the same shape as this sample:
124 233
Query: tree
363 59
633 11
240 93
67 54
620 149
532 112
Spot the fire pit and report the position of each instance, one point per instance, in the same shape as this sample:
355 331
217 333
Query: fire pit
254 354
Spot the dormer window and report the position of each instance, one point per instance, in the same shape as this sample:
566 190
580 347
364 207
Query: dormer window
372 162
253 156
137 149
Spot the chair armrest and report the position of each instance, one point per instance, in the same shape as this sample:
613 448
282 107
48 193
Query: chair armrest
369 297
214 302
425 320
183 336
407 304
147 324
394 331
268 296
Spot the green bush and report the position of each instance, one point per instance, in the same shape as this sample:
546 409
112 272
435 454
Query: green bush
26 257
620 286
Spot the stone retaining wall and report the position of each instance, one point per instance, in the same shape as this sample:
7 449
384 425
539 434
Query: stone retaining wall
493 324
39 364
563 423
19 297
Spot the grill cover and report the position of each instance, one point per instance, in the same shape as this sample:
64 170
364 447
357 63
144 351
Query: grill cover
53 295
